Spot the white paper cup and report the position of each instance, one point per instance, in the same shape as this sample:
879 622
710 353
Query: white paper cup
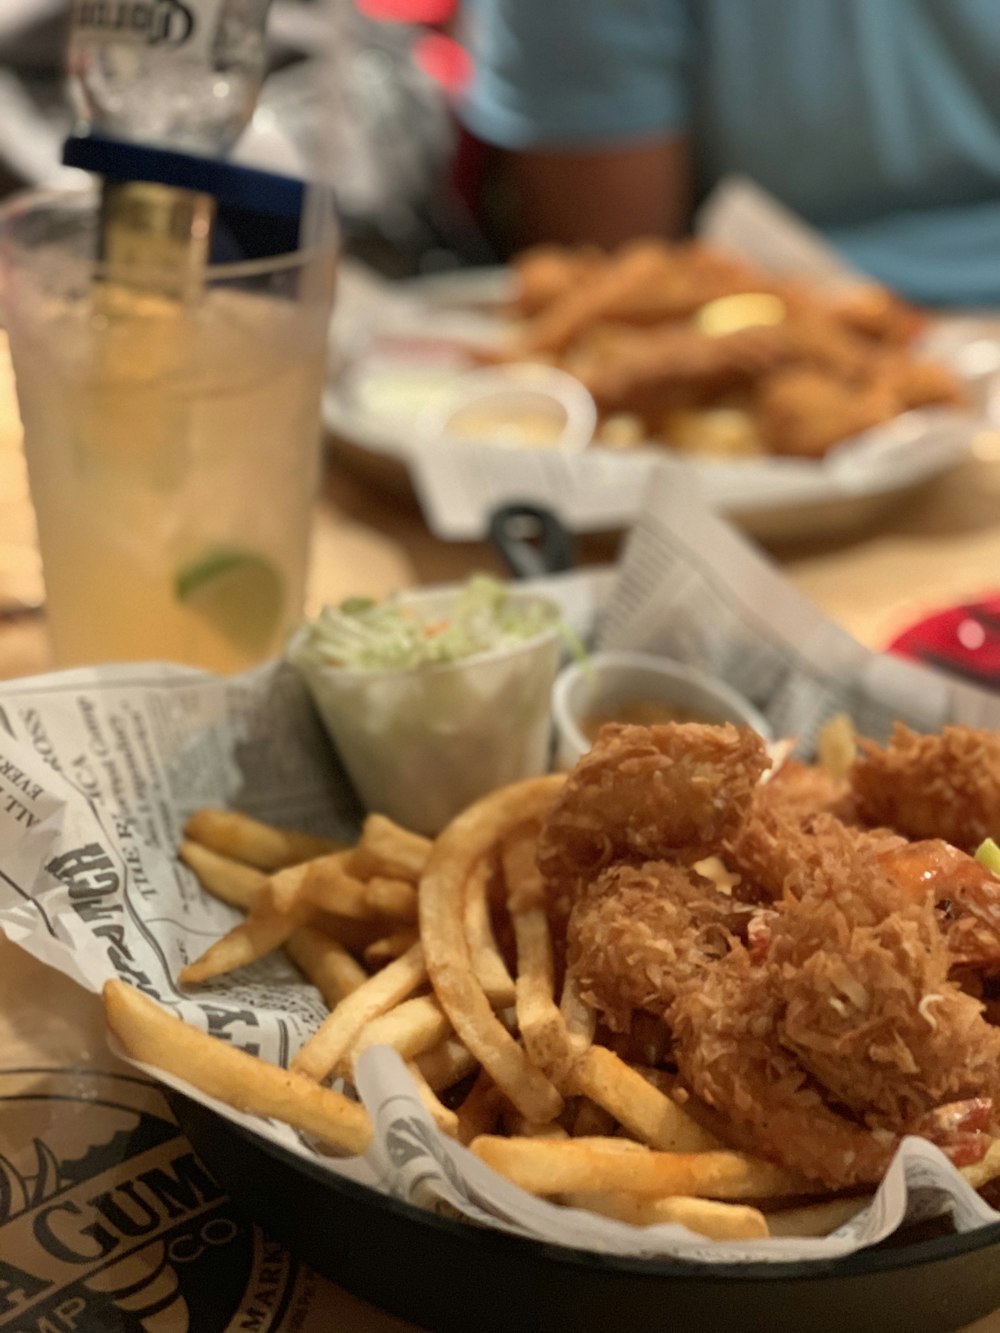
610 679
422 743
521 406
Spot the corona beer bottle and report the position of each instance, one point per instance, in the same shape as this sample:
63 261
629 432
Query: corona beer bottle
183 74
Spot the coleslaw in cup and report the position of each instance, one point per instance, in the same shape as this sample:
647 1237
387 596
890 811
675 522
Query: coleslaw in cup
434 698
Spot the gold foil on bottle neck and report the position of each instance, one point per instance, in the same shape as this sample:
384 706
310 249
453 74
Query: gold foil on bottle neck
156 237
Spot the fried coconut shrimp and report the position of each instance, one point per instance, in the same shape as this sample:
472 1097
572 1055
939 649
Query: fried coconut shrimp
945 786
638 934
864 969
647 794
824 1004
804 412
774 838
848 1033
727 1050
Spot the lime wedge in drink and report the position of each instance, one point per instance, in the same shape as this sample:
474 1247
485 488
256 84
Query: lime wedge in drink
240 593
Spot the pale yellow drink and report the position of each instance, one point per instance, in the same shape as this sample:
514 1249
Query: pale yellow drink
172 451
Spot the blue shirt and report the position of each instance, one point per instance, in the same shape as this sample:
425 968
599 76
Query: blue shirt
878 121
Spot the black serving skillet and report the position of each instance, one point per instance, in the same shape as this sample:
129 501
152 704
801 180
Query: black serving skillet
451 1277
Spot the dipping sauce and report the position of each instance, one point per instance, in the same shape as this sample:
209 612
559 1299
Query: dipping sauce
638 713
527 428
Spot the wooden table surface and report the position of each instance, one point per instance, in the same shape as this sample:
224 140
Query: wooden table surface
934 548
931 548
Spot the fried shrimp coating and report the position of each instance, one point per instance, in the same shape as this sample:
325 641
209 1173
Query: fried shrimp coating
638 934
772 840
645 282
545 273
827 1002
917 383
862 966
726 1046
617 286
667 333
872 310
945 786
804 412
673 365
666 792
847 1033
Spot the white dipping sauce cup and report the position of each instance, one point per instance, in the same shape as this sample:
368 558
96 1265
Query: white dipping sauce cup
520 405
609 679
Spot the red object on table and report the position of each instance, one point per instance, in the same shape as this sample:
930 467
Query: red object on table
962 640
407 11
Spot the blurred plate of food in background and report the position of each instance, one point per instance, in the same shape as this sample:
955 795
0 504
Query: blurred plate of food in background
799 406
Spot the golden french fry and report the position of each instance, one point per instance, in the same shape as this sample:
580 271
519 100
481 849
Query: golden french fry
487 961
414 1026
546 1166
394 898
260 932
339 1030
285 889
645 1111
446 1064
457 852
580 1019
522 879
387 947
622 430
719 432
256 844
385 848
816 1219
233 882
988 1168
836 745
707 1217
327 884
542 1027
445 1119
480 1109
156 1037
326 963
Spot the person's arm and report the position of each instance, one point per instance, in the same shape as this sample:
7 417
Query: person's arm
605 196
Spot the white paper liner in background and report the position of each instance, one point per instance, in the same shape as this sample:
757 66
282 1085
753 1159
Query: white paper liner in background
100 768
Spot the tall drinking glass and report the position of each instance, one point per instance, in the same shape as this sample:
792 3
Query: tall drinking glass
172 440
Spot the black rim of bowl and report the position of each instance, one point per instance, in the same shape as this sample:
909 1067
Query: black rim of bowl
863 1262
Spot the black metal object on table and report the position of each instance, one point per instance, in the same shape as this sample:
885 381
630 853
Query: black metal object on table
531 540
